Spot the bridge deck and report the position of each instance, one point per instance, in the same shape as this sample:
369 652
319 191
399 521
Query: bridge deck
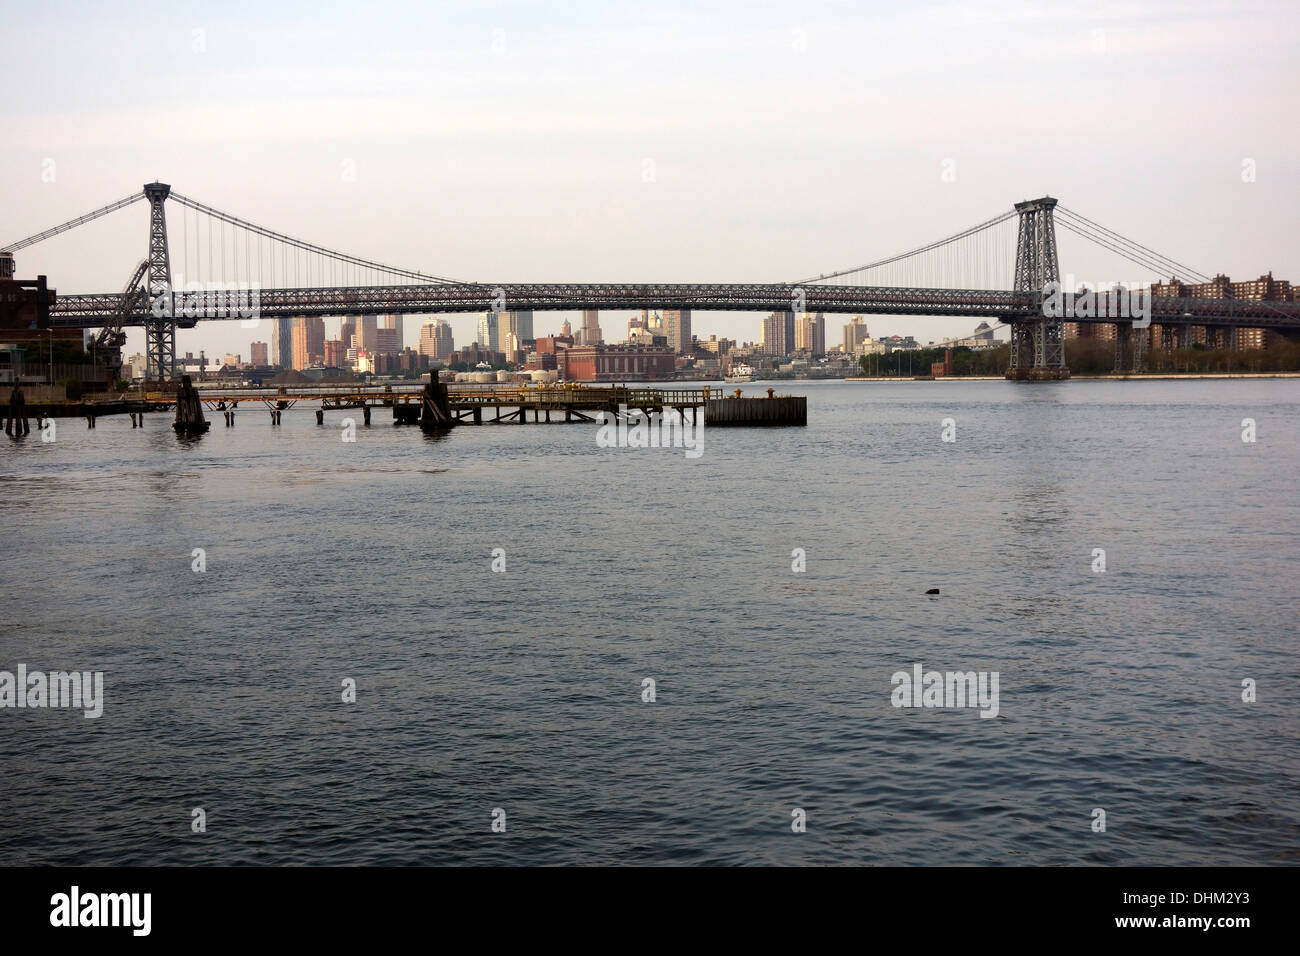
91 311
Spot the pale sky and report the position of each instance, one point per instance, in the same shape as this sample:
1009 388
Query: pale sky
508 142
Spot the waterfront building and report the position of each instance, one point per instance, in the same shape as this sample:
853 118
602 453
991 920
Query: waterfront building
612 363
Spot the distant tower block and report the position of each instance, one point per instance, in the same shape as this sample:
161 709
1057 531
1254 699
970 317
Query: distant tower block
591 334
1037 344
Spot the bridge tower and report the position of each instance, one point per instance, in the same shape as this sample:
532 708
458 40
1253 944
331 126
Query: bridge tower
1037 345
159 331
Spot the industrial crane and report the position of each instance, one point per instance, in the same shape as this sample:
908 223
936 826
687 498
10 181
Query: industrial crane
111 338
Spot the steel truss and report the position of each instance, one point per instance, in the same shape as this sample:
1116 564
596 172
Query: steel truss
1016 307
159 331
1039 342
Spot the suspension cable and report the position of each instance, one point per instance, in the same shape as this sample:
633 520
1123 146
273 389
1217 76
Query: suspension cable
1155 267
1115 236
926 248
302 244
72 223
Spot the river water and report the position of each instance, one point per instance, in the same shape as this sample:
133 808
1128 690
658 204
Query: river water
522 690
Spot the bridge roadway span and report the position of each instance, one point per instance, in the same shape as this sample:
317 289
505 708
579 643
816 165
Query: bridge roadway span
92 311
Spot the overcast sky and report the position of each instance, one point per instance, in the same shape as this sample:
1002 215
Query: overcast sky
509 141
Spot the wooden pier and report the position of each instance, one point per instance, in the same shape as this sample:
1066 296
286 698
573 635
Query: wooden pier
468 404
508 404
736 412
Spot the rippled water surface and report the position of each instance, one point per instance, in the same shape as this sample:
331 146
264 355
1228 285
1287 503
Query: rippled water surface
522 690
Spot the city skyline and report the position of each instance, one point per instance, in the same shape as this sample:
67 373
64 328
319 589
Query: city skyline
904 480
889 151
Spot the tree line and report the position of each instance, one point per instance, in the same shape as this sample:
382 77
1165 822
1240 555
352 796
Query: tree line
1089 357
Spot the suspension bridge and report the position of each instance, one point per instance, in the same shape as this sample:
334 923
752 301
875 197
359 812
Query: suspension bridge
997 269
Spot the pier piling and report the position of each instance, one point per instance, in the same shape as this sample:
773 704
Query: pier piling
435 405
16 415
189 410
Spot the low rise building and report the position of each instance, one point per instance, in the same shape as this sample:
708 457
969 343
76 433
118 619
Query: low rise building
613 363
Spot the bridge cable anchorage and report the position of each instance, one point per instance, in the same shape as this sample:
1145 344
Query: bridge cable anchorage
71 223
987 224
305 246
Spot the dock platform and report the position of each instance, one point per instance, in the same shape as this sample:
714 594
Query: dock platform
514 404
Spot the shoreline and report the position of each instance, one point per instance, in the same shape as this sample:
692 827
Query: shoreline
117 406
1161 376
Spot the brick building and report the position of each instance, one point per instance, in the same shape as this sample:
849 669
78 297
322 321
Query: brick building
614 363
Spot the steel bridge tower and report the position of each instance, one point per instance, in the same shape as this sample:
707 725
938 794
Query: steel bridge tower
159 331
1037 345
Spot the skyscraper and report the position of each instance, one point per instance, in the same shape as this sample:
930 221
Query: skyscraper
347 329
513 329
436 341
590 332
855 333
393 322
259 353
282 343
308 340
810 333
677 325
521 323
366 337
488 331
778 333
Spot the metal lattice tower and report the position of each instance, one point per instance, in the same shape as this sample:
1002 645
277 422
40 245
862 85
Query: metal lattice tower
1038 345
159 332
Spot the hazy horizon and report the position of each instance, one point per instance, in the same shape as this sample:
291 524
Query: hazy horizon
510 143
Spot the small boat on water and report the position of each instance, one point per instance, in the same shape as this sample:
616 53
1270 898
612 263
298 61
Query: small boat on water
738 374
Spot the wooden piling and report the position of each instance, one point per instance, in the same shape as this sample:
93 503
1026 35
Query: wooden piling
16 417
189 410
435 406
